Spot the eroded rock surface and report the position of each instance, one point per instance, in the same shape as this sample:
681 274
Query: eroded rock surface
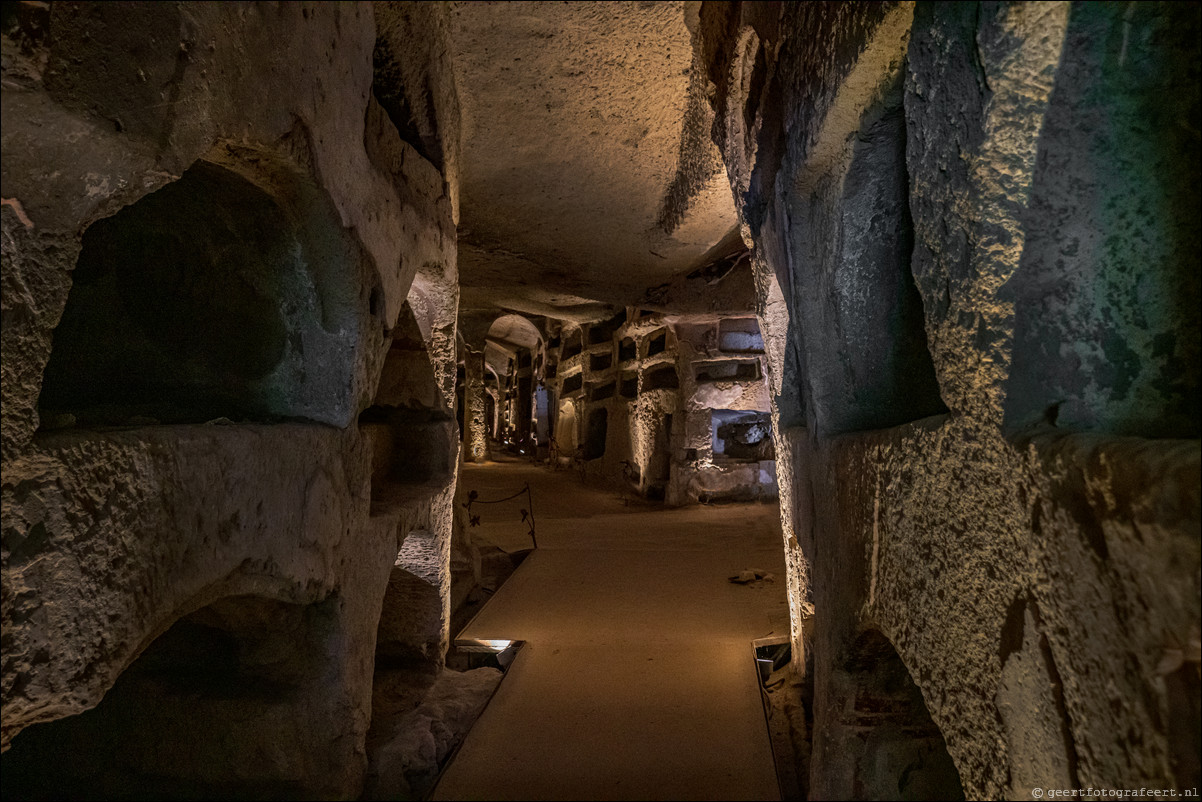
210 232
991 545
925 272
410 742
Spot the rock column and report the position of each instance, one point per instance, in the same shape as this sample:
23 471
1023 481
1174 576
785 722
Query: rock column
476 439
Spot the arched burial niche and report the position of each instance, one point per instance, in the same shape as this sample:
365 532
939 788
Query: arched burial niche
410 429
879 741
236 700
860 311
215 296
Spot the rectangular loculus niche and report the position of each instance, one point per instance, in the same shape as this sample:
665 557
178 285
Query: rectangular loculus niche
740 335
573 383
599 333
572 344
730 370
663 378
603 392
627 350
657 342
741 435
867 360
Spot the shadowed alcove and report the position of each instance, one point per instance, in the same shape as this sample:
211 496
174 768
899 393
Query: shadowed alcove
209 298
882 743
208 709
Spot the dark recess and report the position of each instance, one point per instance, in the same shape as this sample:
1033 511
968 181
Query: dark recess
411 108
869 365
174 311
598 428
627 350
657 343
165 729
603 332
604 391
710 372
664 378
572 345
887 721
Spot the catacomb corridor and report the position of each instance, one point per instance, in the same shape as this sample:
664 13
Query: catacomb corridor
600 400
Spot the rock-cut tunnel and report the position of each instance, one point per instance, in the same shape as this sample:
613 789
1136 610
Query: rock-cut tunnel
600 400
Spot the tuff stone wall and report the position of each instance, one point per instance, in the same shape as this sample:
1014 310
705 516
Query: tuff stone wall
229 332
993 174
668 386
199 457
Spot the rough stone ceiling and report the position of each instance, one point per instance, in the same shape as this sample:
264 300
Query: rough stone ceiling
572 124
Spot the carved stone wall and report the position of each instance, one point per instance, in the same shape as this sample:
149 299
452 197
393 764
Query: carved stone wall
985 452
211 233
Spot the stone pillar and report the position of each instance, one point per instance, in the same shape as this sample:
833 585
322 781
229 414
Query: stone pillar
415 622
476 428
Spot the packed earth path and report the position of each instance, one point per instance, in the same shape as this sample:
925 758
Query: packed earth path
637 678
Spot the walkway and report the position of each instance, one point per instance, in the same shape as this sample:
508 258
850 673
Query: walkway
637 679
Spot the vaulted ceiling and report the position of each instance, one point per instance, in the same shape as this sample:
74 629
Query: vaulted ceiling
576 191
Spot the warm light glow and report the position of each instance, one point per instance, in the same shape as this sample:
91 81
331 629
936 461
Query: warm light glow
485 645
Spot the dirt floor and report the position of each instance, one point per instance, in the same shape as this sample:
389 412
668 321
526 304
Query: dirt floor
637 678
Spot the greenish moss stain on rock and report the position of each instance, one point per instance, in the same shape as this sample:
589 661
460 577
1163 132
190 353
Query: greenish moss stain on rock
1111 263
